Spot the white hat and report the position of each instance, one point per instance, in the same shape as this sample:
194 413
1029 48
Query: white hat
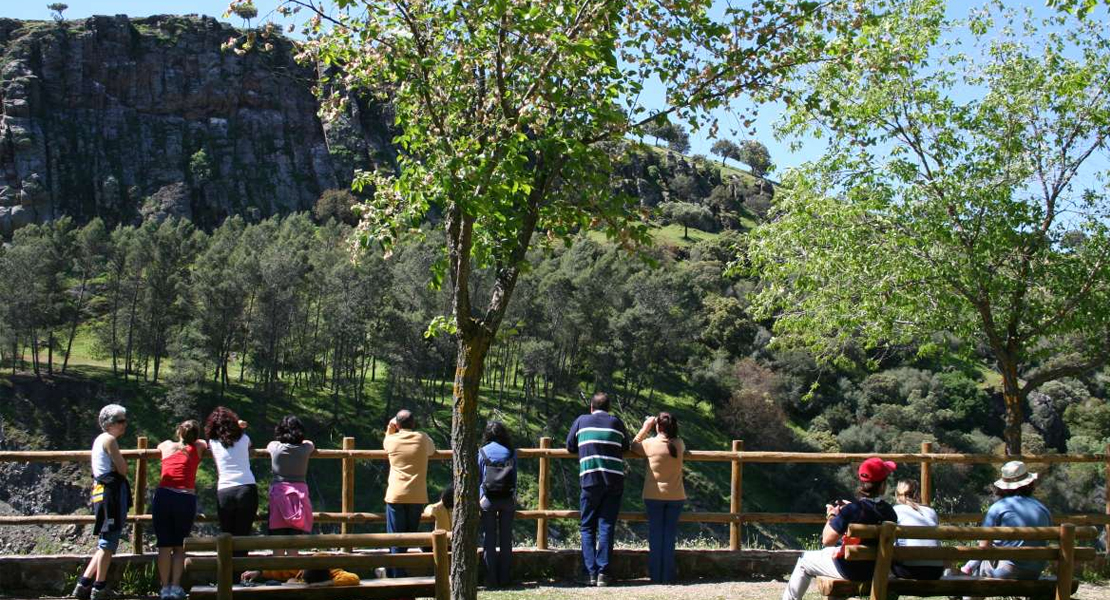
1015 475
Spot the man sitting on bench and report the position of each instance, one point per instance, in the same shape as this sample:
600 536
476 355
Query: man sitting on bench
1015 507
869 509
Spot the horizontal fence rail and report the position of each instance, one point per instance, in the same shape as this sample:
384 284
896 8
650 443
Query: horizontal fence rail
735 517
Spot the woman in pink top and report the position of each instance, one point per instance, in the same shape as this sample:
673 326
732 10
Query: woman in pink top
664 492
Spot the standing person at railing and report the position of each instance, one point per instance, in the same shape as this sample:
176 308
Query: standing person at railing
236 489
600 441
497 498
111 498
912 513
869 509
290 506
407 492
1015 507
664 492
175 504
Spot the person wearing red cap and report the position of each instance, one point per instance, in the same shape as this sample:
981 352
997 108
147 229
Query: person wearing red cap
869 509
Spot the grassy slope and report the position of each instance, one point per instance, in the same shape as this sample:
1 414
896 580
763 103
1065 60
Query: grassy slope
707 483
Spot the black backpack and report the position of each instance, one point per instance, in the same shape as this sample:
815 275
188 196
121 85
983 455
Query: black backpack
500 478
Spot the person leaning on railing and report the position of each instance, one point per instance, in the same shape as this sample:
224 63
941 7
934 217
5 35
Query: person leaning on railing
407 491
236 488
600 441
111 498
175 504
664 492
1015 507
869 509
290 506
911 512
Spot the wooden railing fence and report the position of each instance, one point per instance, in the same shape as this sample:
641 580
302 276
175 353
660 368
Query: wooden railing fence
735 517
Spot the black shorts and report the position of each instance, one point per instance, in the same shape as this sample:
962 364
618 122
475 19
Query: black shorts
286 531
173 514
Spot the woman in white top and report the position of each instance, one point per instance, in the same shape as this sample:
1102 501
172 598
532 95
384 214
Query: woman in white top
236 490
913 514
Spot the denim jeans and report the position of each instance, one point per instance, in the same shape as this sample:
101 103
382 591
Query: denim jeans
497 532
401 518
599 506
662 530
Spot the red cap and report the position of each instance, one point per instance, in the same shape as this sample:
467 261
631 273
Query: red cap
876 469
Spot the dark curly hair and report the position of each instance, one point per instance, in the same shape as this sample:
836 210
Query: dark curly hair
497 432
289 431
223 425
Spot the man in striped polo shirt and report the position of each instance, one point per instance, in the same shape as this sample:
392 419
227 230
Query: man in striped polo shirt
600 441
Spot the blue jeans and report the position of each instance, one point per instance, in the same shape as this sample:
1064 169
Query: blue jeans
662 530
401 518
497 532
599 506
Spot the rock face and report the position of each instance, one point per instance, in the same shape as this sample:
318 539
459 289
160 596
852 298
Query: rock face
117 118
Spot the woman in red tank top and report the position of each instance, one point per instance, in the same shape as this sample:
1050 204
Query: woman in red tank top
175 504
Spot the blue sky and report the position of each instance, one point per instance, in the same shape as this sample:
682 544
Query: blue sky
781 152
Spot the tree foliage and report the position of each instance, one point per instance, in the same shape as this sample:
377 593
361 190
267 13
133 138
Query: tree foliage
936 212
57 9
726 149
754 154
688 215
508 111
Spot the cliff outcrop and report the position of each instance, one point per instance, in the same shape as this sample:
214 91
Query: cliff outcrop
129 118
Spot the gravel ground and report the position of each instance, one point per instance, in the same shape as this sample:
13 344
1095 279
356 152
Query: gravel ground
712 590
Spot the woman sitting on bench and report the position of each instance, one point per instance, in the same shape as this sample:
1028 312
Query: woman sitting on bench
911 513
869 509
1015 507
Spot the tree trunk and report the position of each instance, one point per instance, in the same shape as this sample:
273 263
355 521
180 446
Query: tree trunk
76 318
464 441
1011 394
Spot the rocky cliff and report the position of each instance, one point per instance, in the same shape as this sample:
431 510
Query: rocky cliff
123 118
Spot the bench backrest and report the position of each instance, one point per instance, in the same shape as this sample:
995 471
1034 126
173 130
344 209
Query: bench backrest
880 546
226 563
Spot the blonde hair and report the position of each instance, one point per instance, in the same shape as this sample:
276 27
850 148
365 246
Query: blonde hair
908 493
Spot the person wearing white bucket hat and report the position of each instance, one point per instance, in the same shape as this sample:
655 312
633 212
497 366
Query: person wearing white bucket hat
1015 507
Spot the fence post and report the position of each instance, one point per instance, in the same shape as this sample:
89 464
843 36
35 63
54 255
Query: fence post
442 564
926 475
545 475
225 575
140 497
1107 487
736 498
348 503
1065 568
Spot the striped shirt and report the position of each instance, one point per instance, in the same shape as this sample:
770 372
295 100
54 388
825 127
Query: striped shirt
600 441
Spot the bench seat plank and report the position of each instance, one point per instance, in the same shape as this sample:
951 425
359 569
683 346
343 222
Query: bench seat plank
370 589
958 585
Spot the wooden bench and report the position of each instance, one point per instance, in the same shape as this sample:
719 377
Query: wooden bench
882 549
225 564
